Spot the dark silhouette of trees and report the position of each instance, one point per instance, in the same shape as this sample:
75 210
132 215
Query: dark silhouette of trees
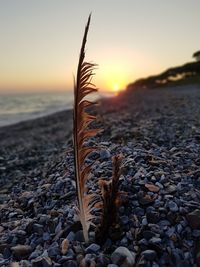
196 55
187 71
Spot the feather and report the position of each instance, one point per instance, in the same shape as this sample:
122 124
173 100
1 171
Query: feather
111 200
82 120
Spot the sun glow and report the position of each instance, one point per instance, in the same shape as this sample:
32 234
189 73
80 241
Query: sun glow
116 88
112 77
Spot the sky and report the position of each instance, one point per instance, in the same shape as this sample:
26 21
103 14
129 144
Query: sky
128 39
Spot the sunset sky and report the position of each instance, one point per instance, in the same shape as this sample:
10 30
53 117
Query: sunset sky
129 39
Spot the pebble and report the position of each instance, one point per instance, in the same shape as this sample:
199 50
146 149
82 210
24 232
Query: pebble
194 219
149 254
173 206
46 236
70 263
93 248
105 154
42 261
123 257
21 250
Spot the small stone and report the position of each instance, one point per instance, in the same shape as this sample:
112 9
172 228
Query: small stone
34 255
79 236
194 219
152 188
139 211
149 254
105 154
196 233
153 217
145 200
38 228
53 251
46 236
93 248
70 263
148 234
155 240
64 246
159 185
89 257
124 220
42 261
123 257
5 262
144 221
164 223
71 236
171 189
21 250
58 227
103 260
173 206
25 263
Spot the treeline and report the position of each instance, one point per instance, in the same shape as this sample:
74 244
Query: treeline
189 71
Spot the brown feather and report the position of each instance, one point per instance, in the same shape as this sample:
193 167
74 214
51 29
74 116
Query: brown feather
83 87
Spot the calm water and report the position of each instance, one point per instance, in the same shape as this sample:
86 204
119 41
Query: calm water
23 106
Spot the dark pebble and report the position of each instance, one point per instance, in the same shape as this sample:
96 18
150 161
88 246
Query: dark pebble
149 254
93 248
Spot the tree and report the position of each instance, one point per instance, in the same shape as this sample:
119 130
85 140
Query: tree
196 55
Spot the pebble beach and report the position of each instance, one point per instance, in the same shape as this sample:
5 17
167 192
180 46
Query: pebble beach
158 133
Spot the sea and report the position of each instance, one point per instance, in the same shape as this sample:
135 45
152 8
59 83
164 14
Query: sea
17 107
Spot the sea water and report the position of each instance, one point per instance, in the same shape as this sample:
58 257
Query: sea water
18 107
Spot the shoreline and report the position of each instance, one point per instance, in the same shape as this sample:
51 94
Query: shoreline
40 117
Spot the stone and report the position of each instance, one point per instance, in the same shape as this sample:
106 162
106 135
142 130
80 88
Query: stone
64 246
173 206
42 261
139 211
25 263
79 236
70 263
194 219
171 189
148 234
71 236
103 260
93 248
46 236
155 240
124 219
21 250
38 228
5 262
152 188
196 233
159 185
149 254
34 255
123 257
153 217
53 251
145 200
105 154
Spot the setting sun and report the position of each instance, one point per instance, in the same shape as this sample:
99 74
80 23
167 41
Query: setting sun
113 78
116 88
